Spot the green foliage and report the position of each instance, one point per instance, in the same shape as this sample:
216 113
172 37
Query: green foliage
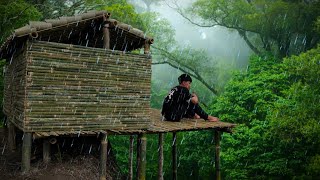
158 93
247 100
249 95
295 118
15 14
125 13
274 26
196 155
275 105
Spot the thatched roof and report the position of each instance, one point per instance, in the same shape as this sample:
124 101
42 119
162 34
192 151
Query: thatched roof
83 29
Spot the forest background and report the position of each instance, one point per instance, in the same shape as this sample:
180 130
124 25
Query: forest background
274 99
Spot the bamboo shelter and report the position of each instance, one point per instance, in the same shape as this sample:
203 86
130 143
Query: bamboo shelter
79 75
60 78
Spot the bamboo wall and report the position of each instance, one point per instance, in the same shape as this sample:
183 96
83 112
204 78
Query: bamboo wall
74 88
14 89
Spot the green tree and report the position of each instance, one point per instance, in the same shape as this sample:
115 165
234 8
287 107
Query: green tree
248 99
54 9
15 14
295 118
166 50
281 27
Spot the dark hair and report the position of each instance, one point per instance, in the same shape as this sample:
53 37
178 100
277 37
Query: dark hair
184 77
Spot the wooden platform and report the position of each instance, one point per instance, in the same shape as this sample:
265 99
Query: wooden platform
157 125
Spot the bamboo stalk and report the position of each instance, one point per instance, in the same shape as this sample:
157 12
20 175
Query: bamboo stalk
60 47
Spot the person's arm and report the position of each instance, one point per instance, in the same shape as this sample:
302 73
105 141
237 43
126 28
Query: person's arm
194 98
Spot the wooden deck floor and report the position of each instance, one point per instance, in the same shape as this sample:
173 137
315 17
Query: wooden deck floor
157 125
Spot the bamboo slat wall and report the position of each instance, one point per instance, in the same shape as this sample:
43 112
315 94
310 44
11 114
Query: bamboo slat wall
74 88
14 89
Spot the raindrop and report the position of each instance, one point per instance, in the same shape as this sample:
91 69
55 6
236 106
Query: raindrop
81 148
63 142
70 34
295 41
98 59
4 147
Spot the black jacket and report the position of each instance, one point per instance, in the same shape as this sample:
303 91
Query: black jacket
176 103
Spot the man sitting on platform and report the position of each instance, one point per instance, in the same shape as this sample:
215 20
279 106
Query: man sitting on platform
179 103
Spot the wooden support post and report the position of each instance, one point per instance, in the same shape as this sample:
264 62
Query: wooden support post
130 175
174 156
26 151
11 136
106 34
46 151
103 156
143 155
217 157
160 160
146 47
138 155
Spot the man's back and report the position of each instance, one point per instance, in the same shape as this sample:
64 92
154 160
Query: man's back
176 103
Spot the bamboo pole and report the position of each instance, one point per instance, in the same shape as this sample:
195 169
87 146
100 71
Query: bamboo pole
11 136
217 156
174 156
106 34
130 175
46 151
103 156
26 152
143 152
160 160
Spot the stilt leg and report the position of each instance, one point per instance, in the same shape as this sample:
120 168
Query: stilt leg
217 157
160 160
46 151
174 156
143 152
130 176
26 152
103 156
11 136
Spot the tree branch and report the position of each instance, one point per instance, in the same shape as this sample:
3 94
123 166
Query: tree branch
252 47
184 68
